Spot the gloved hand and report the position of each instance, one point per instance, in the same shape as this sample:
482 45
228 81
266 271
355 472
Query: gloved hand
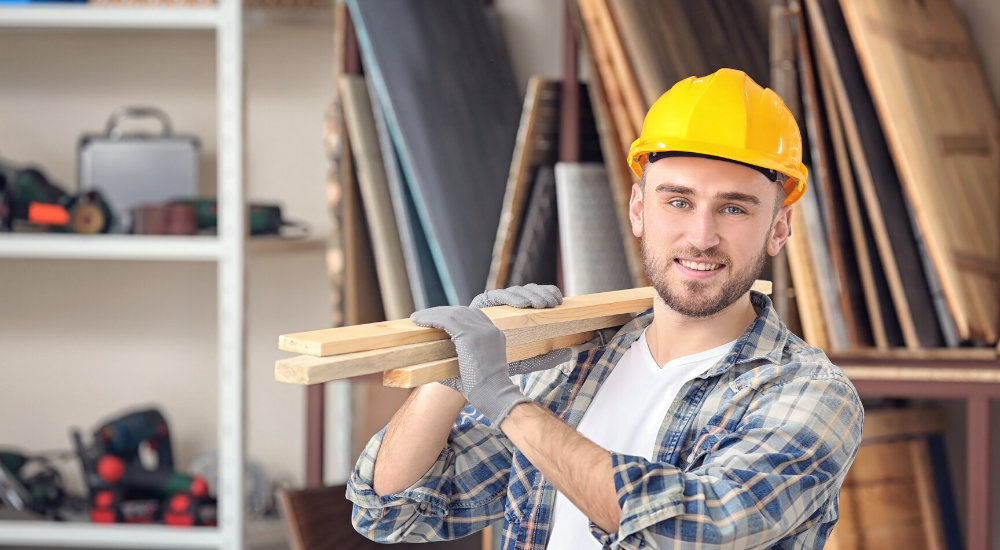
529 295
482 358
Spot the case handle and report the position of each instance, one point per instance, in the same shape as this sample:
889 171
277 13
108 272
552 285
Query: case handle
122 113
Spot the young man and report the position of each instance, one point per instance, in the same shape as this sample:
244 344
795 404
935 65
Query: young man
703 422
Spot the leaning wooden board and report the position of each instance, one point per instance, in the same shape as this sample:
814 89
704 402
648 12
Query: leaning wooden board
537 137
389 262
619 174
878 180
378 347
942 127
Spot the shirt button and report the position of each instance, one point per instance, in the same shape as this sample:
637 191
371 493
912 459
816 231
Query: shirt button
423 507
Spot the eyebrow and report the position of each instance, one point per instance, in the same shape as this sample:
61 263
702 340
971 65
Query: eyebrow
729 195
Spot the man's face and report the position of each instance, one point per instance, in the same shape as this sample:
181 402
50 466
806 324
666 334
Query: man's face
707 227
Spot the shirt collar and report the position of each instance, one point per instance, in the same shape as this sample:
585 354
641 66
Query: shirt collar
764 339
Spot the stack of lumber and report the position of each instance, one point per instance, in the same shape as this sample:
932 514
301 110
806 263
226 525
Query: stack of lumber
409 355
897 494
901 133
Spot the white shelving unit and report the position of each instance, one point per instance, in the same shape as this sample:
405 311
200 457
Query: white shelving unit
228 249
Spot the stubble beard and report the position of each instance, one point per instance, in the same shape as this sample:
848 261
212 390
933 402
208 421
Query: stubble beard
699 303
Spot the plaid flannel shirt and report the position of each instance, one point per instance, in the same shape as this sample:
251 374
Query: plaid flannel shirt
751 454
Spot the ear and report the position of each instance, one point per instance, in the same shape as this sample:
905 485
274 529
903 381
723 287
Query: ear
635 210
781 230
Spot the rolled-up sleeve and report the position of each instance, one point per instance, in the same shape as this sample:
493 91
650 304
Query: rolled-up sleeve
461 493
776 475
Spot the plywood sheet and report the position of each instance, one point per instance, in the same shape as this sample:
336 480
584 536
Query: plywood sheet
389 263
825 176
444 81
537 144
941 124
877 179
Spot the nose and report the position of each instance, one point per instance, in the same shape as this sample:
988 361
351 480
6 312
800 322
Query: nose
703 234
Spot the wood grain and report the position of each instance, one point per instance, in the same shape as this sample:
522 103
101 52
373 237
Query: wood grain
308 369
826 177
417 375
893 235
800 265
620 176
854 216
340 340
905 422
537 136
389 263
931 96
601 57
922 374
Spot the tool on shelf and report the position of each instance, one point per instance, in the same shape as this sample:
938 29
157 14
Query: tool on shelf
29 201
123 490
191 216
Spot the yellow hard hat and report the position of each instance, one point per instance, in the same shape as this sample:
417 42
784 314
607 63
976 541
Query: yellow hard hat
729 116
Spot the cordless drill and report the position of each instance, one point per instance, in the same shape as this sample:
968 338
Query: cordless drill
118 481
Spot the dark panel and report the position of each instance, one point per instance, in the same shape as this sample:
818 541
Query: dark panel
447 90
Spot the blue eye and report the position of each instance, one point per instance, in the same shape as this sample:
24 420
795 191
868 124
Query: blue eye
733 210
678 203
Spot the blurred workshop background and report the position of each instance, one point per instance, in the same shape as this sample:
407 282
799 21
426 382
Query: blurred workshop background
181 181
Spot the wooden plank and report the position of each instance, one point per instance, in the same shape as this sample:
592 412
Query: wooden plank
863 254
881 424
922 374
389 263
634 104
629 22
599 54
537 138
361 298
321 343
930 510
940 122
418 375
800 266
326 342
824 175
454 122
905 354
308 369
883 198
620 176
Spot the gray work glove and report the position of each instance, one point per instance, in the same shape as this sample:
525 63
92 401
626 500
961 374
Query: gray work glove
482 358
529 295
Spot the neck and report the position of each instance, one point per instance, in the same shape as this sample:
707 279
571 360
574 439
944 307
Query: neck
672 335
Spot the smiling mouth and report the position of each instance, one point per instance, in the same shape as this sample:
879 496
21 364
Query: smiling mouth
700 266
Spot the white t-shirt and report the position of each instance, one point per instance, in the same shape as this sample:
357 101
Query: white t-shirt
625 417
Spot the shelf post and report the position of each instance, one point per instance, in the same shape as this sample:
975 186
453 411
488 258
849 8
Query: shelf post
231 274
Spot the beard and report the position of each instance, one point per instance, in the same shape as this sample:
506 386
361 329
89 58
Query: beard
700 300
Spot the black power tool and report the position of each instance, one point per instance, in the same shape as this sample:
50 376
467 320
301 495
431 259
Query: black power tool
123 490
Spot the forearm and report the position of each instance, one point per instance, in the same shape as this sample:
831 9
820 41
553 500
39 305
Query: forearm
415 437
577 467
